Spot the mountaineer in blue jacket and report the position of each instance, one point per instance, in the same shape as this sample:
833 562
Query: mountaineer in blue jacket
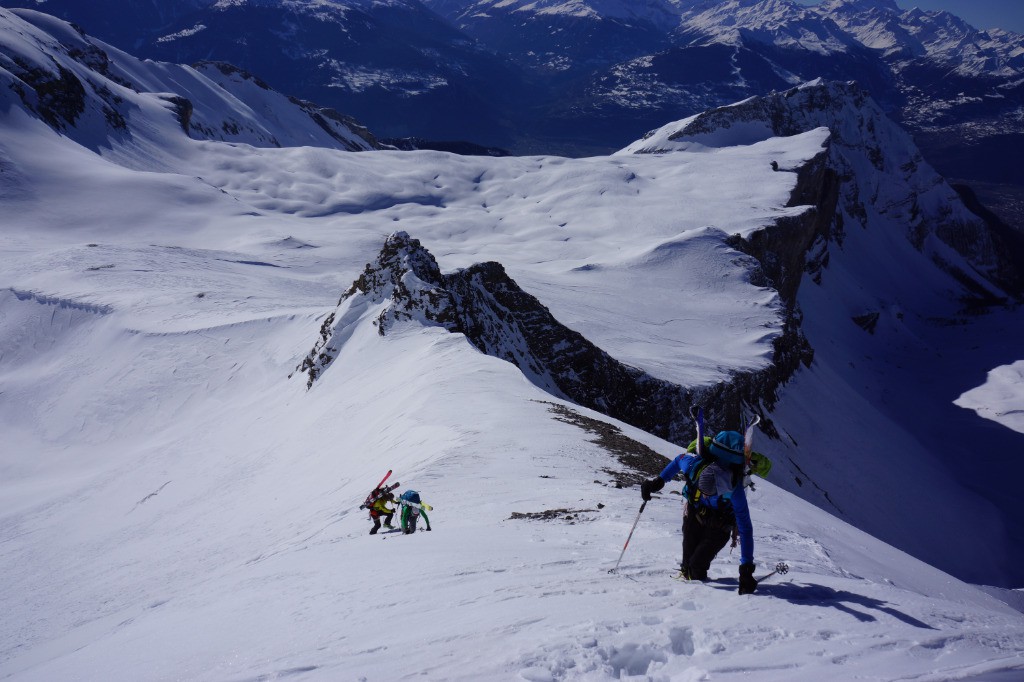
715 504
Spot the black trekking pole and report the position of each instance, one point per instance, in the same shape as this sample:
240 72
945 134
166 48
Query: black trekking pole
612 570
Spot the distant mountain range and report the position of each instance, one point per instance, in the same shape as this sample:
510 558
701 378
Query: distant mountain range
587 76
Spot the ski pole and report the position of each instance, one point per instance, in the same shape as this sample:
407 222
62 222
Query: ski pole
781 568
612 570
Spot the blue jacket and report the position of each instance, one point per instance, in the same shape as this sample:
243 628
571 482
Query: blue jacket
737 496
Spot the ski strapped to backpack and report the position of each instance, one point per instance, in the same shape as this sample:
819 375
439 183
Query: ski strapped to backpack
414 505
698 420
748 449
378 493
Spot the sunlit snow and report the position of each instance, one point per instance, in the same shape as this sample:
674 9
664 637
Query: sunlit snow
175 504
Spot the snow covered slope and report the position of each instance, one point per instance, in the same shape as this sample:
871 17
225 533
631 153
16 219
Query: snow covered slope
176 502
90 90
175 507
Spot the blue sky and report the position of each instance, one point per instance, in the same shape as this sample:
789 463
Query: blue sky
1008 14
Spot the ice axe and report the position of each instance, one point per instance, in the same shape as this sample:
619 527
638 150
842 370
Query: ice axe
612 569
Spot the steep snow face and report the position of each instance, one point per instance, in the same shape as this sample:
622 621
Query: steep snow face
105 98
227 522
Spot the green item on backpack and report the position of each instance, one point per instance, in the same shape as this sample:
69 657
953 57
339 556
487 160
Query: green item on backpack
760 465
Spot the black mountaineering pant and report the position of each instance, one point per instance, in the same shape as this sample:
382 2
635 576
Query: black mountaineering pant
376 522
701 543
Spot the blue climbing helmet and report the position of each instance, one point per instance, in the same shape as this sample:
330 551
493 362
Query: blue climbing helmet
728 447
411 496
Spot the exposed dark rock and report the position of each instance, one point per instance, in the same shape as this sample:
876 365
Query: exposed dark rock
502 320
59 97
570 515
639 461
861 131
1012 239
867 321
182 110
329 119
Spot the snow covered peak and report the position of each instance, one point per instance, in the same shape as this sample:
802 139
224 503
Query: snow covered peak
862 5
836 25
937 35
105 98
780 22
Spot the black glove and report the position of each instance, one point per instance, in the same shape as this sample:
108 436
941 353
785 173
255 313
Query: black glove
747 582
649 487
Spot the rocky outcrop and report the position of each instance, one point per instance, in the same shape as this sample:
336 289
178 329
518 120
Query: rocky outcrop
500 319
57 97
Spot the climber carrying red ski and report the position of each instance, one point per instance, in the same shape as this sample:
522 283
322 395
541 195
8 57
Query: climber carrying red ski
377 502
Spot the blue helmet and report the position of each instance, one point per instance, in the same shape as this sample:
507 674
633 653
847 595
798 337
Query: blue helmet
728 447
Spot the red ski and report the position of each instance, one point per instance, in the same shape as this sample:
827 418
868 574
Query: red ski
378 493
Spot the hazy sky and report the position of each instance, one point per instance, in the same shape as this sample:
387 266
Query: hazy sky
1008 14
